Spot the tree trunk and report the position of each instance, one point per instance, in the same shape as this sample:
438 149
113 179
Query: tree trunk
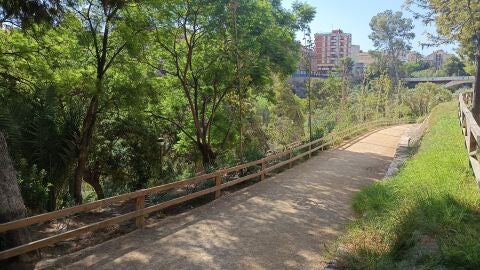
11 208
397 84
208 156
83 149
240 132
343 102
93 179
52 199
397 75
476 88
310 135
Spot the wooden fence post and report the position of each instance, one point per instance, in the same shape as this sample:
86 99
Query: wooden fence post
290 155
139 205
262 175
218 183
471 142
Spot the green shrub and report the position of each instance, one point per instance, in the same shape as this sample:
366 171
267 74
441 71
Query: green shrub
35 192
424 97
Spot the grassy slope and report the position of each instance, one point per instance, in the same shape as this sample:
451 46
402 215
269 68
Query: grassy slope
427 216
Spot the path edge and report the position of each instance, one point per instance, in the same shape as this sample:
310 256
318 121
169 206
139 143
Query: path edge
409 140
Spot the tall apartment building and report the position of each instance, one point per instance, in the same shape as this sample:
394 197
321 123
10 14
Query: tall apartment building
330 48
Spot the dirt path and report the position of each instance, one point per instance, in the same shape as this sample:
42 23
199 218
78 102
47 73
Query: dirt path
284 222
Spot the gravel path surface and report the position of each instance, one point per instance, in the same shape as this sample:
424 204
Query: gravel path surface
284 222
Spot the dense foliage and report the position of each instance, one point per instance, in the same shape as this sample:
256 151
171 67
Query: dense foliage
392 34
124 95
456 21
114 96
453 66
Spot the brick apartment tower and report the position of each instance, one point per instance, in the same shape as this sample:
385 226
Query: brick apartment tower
330 48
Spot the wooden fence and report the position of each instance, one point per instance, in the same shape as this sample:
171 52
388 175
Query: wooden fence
218 180
470 130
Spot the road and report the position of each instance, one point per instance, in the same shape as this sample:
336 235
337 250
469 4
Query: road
287 221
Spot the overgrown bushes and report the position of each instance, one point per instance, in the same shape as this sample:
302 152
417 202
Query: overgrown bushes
424 97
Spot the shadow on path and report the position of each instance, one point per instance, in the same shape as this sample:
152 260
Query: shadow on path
284 222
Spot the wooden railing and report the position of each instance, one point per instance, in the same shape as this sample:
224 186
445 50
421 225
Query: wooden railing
218 182
470 130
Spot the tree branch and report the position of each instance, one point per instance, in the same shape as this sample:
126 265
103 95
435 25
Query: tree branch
174 123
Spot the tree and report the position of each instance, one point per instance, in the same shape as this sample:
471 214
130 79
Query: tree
287 120
425 96
345 67
326 95
12 206
411 67
382 87
391 34
193 39
380 64
91 94
456 20
241 32
11 203
469 68
453 66
25 13
429 72
305 14
106 32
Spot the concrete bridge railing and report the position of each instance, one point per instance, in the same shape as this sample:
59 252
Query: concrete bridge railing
441 79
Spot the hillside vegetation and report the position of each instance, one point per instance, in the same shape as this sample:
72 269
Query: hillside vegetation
425 217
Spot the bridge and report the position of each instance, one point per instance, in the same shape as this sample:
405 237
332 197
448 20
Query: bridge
285 220
304 74
297 80
446 81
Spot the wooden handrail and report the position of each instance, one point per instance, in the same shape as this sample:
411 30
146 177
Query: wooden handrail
265 165
470 130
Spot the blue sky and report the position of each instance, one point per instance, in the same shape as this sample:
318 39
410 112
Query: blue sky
353 16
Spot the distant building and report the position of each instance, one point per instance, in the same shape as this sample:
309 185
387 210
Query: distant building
437 58
330 48
355 52
364 59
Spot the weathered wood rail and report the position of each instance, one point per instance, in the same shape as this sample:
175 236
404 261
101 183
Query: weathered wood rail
470 130
217 184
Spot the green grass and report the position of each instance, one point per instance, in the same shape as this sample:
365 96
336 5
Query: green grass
427 216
